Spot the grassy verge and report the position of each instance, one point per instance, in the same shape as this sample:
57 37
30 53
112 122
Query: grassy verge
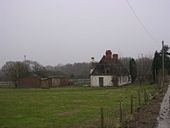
64 107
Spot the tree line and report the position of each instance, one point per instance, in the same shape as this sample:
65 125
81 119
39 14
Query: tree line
141 69
14 70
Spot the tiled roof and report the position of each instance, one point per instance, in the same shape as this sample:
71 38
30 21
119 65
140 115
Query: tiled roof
109 66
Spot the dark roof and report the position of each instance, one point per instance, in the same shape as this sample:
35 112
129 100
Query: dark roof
58 76
109 66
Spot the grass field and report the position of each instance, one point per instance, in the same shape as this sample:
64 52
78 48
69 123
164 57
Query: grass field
61 107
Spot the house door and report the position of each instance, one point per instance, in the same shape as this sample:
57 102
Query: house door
101 81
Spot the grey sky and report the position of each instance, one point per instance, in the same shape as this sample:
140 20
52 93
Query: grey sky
66 31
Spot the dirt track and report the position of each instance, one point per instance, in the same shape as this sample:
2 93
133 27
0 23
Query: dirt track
146 116
164 114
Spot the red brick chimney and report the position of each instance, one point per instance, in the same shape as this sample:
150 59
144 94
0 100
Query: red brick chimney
108 54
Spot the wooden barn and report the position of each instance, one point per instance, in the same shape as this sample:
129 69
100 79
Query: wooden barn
29 82
43 82
58 80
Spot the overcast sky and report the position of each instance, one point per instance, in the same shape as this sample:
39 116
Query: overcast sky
55 32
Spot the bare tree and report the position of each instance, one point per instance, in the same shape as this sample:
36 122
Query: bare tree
36 68
125 62
15 70
144 69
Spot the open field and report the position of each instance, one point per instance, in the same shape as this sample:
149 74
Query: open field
63 107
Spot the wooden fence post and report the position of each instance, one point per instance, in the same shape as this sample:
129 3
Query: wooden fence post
102 117
121 112
139 100
169 101
131 104
145 100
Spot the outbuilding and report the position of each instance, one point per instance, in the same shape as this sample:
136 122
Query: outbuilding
29 82
35 81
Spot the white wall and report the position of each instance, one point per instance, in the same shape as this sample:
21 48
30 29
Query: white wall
107 80
122 80
91 70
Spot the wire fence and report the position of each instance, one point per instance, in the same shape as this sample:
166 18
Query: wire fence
108 117
114 117
6 84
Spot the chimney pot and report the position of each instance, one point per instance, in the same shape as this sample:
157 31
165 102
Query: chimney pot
115 57
92 59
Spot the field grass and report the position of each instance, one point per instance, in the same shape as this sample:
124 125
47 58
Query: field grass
61 107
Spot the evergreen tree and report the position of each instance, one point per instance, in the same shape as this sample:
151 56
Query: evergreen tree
156 65
133 69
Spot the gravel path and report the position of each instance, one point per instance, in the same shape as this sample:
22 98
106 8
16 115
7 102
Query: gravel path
164 114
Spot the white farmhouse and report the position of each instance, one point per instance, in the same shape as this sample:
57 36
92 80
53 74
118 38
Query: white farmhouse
108 72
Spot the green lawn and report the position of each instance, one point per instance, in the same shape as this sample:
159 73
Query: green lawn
62 107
